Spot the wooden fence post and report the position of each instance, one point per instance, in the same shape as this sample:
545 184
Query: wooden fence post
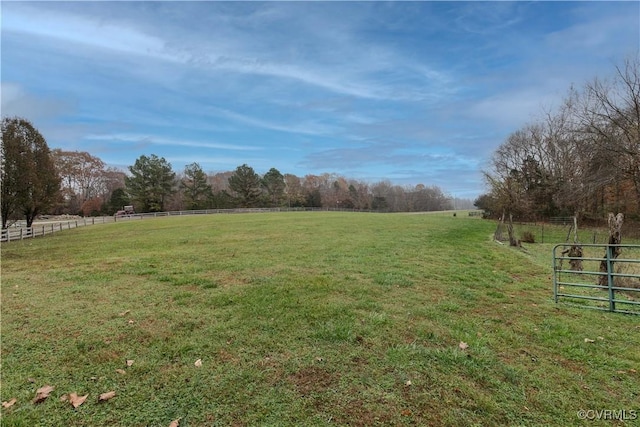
612 252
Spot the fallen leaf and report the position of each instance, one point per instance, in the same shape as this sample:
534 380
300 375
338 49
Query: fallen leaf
589 340
10 403
124 313
121 371
198 363
463 345
408 383
76 400
131 321
633 371
42 393
175 423
106 396
129 362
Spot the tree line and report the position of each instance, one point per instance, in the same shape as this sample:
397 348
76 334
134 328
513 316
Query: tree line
582 159
36 180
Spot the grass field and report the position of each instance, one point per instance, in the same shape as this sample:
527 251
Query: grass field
304 319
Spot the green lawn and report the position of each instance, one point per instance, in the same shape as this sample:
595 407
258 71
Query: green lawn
303 319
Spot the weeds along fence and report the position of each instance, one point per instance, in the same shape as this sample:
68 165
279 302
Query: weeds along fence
43 228
604 277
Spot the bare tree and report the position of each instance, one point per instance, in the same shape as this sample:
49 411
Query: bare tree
582 158
610 116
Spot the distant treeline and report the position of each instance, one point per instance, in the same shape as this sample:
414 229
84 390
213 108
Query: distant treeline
37 180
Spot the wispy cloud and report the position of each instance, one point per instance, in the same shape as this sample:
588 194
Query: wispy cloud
144 139
307 128
48 23
353 70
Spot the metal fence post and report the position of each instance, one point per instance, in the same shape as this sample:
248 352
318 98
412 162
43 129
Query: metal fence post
555 280
609 251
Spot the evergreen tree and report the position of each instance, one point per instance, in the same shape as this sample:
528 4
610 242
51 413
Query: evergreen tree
196 190
274 185
150 184
246 183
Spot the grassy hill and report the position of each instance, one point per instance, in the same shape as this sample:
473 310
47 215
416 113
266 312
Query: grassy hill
309 318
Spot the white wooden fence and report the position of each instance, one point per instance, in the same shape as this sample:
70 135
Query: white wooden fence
43 228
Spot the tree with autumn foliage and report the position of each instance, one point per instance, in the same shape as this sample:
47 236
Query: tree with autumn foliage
83 180
29 179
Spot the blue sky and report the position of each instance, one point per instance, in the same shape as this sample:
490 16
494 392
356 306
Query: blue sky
410 92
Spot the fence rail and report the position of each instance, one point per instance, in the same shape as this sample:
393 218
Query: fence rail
42 229
621 275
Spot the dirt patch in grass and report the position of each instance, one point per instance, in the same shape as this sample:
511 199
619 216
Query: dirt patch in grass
312 380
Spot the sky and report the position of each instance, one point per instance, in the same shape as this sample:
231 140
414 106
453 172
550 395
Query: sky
409 92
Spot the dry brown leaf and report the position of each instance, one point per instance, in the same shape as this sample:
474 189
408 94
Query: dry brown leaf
129 362
589 340
463 345
121 371
106 396
42 393
175 423
9 403
633 371
76 400
198 363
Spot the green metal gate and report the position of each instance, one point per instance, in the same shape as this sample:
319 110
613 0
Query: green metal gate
598 279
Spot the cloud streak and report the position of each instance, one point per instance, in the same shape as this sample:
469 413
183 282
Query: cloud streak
158 140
